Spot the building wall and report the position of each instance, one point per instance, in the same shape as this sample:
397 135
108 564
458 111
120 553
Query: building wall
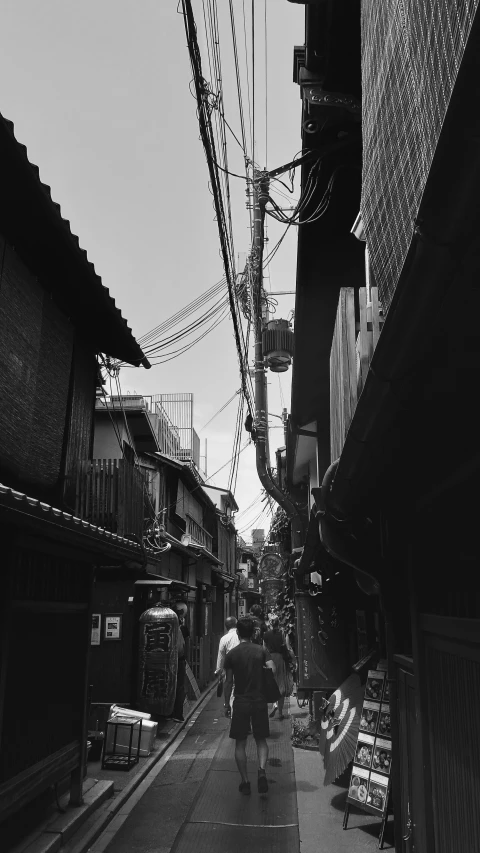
106 444
226 547
46 598
187 505
112 662
79 443
36 344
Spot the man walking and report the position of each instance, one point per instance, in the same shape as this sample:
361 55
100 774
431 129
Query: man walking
227 642
245 665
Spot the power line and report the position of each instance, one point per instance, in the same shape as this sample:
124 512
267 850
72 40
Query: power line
207 136
253 82
221 409
266 86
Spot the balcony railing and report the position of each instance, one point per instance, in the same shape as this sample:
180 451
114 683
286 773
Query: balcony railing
352 349
110 494
199 534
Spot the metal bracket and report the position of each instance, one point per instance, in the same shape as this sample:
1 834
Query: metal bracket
321 98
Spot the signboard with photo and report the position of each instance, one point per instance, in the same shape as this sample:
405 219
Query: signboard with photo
384 724
370 779
377 792
382 755
113 626
374 685
369 717
358 790
364 750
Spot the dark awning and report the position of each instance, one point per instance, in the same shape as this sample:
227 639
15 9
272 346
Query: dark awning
223 575
201 551
158 580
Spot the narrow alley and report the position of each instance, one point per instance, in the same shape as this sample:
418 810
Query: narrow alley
239 351
191 802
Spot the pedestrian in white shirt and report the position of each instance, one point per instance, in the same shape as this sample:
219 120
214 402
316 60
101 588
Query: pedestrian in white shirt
228 642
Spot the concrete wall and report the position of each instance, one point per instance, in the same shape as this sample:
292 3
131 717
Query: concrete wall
106 444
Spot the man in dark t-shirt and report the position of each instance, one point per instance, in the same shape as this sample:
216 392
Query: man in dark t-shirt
245 666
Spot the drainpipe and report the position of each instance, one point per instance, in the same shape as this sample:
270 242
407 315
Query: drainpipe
260 198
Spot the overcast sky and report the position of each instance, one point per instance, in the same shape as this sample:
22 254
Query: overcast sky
98 91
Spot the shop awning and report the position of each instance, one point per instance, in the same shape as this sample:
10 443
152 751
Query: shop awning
201 551
158 580
223 575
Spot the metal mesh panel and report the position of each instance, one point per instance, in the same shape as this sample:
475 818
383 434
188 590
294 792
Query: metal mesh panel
411 53
176 433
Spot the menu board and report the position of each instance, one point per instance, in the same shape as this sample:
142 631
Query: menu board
372 762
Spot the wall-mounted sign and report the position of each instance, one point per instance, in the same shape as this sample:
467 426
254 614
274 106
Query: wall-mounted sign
242 607
271 566
113 626
96 625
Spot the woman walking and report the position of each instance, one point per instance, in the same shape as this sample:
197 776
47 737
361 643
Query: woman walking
279 648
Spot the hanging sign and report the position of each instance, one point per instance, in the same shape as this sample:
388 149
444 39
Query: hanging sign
271 565
370 779
321 643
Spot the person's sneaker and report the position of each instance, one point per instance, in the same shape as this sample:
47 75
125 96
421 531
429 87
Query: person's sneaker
178 719
244 788
262 783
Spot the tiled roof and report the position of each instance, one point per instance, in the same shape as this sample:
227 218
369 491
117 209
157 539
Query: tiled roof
102 293
38 509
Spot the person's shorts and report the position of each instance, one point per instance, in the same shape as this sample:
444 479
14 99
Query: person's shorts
246 713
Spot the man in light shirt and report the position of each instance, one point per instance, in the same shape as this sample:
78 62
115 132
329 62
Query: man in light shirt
228 642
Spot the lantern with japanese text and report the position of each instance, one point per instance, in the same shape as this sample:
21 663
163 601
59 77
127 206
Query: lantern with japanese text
158 660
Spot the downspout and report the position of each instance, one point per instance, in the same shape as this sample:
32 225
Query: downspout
260 196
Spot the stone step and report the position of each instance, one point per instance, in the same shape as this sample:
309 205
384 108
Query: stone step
56 832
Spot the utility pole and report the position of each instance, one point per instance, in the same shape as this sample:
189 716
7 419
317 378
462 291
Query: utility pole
260 198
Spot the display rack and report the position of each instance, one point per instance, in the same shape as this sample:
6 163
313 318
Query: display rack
114 759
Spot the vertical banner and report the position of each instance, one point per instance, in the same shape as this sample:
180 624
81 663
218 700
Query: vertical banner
322 651
372 763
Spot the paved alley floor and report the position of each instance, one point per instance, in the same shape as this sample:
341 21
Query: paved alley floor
192 804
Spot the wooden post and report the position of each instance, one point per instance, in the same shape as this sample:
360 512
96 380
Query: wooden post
121 498
77 775
363 339
375 316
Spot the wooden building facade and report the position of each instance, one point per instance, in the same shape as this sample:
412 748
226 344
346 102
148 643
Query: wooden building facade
55 317
173 508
